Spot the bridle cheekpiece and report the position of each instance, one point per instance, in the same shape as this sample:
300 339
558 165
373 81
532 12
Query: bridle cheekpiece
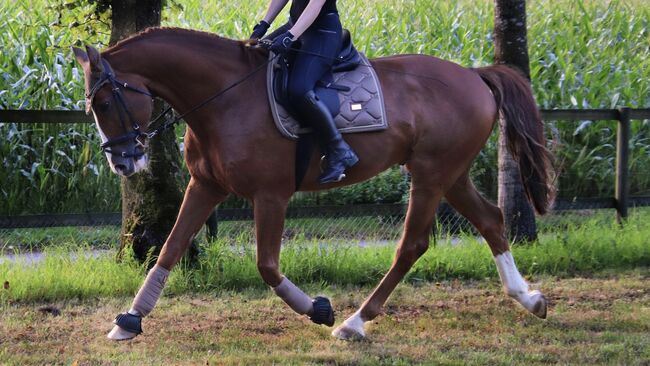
108 77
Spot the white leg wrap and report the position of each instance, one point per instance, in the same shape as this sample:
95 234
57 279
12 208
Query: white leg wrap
351 328
144 301
294 297
516 287
150 291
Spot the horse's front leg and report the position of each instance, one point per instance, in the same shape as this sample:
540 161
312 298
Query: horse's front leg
269 223
198 203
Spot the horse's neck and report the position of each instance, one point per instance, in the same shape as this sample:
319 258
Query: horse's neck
184 73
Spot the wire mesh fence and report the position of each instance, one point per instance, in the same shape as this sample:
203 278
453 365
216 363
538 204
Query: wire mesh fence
357 225
58 169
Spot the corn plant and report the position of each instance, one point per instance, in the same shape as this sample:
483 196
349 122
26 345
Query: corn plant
583 54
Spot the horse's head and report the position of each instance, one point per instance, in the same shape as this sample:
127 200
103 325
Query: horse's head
121 105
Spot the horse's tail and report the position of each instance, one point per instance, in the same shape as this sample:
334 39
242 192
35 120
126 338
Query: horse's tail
524 132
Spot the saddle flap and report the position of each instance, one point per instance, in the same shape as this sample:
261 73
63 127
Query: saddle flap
361 106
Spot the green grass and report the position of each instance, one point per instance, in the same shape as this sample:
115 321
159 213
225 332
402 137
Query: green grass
585 248
584 54
21 240
601 320
592 246
69 273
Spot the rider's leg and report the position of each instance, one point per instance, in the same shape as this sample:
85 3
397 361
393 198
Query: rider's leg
338 153
314 59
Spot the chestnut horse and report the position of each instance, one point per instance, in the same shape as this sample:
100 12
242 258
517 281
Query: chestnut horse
440 115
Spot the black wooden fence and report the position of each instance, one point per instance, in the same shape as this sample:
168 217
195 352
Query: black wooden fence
621 201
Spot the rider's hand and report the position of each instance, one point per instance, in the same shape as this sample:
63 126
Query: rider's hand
282 43
259 30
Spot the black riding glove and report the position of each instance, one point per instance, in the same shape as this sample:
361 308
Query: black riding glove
259 30
282 43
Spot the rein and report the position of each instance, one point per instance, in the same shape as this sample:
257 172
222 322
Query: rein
108 76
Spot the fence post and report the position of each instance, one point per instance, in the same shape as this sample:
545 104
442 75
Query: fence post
622 157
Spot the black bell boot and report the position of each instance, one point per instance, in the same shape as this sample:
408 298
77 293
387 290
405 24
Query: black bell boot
338 153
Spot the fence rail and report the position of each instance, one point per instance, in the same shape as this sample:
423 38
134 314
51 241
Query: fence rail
445 213
54 116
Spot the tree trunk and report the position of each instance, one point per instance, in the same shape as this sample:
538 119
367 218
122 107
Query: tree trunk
510 47
131 16
150 199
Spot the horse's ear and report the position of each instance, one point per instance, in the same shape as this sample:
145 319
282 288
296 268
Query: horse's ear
95 59
80 55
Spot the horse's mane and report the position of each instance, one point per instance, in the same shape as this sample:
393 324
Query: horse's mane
186 35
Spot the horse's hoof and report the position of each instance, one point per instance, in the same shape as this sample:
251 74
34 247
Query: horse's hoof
127 326
351 329
347 333
323 312
119 334
539 302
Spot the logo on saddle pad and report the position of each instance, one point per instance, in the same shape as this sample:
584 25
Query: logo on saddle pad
361 103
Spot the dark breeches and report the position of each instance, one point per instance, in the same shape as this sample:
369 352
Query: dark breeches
320 45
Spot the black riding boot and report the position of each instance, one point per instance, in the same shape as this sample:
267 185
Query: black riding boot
338 153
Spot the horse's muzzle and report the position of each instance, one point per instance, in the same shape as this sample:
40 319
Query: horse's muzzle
126 166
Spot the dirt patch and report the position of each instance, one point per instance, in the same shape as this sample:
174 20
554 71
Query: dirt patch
591 321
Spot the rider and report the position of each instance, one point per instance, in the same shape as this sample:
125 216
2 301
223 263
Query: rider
316 24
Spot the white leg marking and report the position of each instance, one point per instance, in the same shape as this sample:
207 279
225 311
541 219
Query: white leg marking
516 287
351 328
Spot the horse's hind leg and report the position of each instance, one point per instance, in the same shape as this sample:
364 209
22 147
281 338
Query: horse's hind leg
198 203
424 199
488 220
269 210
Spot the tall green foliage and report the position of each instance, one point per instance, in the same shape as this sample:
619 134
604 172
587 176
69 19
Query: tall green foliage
584 54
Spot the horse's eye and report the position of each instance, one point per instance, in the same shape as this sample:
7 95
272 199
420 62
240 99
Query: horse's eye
103 106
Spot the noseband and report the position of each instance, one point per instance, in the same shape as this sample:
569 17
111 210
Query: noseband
108 77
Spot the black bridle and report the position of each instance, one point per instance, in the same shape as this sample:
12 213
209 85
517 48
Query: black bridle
136 134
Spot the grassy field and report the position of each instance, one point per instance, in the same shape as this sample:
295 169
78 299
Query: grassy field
603 320
69 271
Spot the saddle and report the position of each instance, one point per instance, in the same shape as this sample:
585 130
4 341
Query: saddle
351 91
